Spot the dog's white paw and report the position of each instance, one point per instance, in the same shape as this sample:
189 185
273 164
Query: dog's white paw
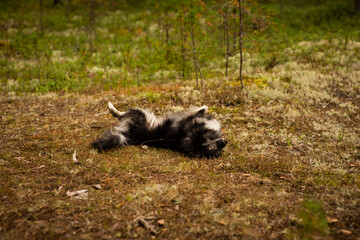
205 108
114 111
111 106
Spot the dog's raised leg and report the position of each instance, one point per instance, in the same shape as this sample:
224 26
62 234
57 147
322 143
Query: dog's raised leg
116 113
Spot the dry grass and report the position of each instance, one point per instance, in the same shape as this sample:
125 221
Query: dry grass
291 169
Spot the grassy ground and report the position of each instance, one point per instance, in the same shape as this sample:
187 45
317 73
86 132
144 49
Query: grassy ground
291 169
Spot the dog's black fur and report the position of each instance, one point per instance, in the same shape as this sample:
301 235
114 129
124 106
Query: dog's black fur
191 132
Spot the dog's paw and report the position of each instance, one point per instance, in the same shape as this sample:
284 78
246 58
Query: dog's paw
204 108
111 106
116 113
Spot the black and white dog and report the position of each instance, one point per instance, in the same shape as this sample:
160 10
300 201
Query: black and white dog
191 132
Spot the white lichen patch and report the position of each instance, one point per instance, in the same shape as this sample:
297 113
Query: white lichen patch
150 191
190 95
164 75
57 56
96 69
23 64
71 32
262 148
292 114
267 94
350 107
330 129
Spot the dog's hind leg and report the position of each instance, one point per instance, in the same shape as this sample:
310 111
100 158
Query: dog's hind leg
116 113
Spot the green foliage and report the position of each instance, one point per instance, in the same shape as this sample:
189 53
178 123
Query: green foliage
317 14
131 45
313 219
151 96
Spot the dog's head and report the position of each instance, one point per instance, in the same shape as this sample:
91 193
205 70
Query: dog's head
203 136
212 148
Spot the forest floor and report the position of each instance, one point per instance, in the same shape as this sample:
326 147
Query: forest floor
291 169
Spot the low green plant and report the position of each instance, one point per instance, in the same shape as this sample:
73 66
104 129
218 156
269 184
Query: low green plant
313 219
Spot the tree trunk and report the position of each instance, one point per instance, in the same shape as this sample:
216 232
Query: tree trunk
167 35
56 2
240 41
234 33
357 6
167 40
281 9
183 53
227 40
41 22
183 45
167 26
91 30
194 55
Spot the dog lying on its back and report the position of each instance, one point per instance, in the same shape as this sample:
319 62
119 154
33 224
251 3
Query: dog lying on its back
191 132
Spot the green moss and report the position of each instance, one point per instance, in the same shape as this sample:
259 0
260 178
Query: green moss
249 81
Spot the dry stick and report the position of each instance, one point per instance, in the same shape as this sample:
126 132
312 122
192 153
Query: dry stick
74 157
146 225
240 42
201 76
155 140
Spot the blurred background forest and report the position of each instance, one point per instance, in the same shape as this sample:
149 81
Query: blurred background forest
78 45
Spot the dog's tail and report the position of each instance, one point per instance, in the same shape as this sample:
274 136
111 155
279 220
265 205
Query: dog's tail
110 139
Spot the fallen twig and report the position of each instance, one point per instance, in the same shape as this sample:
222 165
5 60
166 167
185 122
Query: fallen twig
80 194
74 157
96 186
148 226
